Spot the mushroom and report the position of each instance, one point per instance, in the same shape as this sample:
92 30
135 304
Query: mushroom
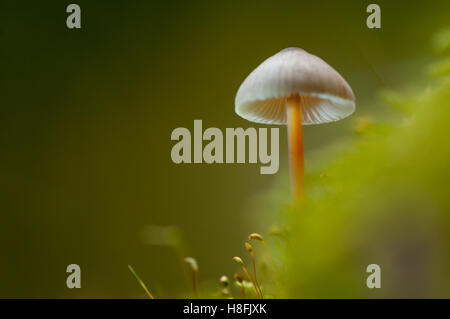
296 88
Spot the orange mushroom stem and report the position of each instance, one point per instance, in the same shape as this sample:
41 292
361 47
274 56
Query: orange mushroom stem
295 140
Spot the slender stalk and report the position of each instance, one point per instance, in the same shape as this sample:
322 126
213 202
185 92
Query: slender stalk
295 140
240 262
254 273
256 236
140 282
251 279
242 290
194 270
252 255
195 283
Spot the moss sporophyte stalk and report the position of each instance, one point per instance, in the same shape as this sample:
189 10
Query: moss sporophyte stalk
247 288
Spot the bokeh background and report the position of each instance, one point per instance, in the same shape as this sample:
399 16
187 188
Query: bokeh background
85 123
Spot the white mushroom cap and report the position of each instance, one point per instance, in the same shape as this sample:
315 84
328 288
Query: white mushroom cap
325 95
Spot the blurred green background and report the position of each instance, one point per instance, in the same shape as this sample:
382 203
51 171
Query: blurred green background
86 117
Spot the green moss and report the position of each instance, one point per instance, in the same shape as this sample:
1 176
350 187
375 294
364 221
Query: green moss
383 199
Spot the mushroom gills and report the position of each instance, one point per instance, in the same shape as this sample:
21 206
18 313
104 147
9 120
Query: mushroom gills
315 110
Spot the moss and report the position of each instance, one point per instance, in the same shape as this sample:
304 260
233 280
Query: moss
382 199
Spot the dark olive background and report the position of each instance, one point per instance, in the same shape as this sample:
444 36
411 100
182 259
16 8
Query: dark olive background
86 117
